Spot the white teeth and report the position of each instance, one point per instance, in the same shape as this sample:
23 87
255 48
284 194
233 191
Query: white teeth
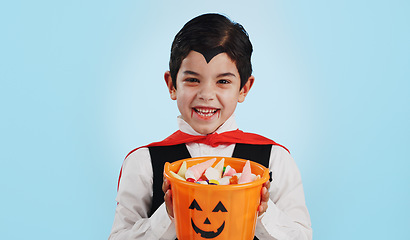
206 112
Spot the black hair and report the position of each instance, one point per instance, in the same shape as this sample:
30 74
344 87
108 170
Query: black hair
209 31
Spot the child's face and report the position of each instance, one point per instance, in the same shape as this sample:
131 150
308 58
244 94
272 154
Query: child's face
207 93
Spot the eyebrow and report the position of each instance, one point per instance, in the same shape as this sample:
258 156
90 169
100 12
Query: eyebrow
191 73
227 74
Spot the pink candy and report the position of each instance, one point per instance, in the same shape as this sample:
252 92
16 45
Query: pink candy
229 171
197 170
246 175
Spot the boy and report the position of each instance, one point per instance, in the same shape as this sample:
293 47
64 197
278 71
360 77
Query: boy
210 72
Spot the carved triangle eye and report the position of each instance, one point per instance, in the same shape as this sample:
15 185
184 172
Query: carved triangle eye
219 207
195 205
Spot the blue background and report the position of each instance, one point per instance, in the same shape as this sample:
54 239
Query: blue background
82 85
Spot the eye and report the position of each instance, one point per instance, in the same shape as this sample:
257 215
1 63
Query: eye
219 207
195 205
191 80
224 81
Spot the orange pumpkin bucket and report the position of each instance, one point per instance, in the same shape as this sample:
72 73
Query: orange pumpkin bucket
215 211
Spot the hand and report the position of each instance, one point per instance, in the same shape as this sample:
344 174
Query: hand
166 188
264 198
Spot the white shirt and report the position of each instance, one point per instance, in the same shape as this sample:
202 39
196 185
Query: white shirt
286 218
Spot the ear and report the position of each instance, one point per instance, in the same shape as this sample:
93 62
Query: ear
245 89
170 85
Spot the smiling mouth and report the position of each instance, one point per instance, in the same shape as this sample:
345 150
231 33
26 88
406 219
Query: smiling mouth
206 112
208 234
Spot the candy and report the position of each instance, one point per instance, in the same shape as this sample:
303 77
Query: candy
212 173
204 173
182 170
246 175
238 174
229 171
177 176
213 182
224 180
189 174
233 180
190 180
197 170
202 182
220 167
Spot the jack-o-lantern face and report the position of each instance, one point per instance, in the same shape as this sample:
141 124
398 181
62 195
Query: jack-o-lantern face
208 234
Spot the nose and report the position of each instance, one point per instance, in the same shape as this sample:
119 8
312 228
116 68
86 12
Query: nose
206 92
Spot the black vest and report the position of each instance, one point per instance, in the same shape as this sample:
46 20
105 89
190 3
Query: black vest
162 154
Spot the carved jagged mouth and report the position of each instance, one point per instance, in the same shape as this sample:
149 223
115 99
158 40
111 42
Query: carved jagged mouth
207 234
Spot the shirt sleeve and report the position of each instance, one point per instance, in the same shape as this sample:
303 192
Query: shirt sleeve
134 199
286 217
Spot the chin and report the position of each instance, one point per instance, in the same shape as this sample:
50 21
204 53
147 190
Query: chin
205 131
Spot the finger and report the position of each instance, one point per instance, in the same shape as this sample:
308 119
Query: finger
267 185
264 195
168 197
168 202
165 185
264 201
262 208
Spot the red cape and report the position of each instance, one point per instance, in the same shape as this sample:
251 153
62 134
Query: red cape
214 140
